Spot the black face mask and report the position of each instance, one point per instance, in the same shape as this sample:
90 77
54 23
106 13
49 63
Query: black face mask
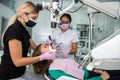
31 23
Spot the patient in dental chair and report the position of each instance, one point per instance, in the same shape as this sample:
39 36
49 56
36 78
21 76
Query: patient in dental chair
64 67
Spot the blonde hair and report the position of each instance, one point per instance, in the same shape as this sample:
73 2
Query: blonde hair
26 7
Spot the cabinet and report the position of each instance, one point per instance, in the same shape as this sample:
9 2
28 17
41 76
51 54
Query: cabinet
83 31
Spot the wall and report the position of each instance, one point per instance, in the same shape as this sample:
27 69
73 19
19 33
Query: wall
7 13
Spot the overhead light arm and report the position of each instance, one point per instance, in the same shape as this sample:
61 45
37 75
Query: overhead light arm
101 8
69 7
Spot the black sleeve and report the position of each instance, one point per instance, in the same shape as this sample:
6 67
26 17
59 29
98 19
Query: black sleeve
13 33
27 33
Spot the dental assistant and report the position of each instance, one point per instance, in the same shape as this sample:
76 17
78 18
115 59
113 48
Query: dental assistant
67 38
16 42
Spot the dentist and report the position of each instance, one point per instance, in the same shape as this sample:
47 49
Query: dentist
16 42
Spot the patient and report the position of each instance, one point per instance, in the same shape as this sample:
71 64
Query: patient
64 67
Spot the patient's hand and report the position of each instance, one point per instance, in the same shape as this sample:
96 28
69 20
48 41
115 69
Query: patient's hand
103 74
98 71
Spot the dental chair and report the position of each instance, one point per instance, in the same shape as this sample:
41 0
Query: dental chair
107 51
106 56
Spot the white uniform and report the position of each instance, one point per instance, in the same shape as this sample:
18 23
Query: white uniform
66 39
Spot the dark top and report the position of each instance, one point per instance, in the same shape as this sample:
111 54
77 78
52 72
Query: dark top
7 68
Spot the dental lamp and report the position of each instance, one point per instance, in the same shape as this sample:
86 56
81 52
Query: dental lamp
54 13
53 8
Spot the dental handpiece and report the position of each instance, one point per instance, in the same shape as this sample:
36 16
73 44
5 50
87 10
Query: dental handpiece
50 39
